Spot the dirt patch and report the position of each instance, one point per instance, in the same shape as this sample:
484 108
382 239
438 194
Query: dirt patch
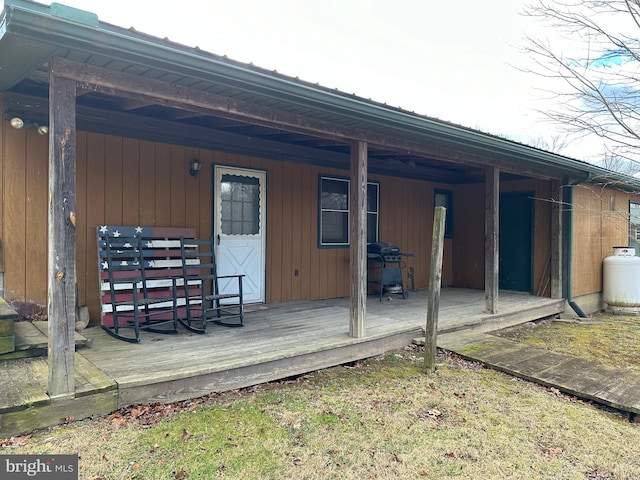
30 312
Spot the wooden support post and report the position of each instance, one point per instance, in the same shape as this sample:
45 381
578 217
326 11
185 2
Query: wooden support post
435 281
491 236
62 234
556 239
358 238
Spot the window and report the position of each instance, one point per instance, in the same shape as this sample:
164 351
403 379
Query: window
334 212
373 209
444 198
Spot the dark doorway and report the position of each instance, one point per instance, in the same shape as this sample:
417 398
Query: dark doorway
516 241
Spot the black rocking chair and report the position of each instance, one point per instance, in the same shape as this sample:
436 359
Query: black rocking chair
204 300
135 302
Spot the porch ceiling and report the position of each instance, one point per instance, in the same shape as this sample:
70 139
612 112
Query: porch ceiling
406 144
115 115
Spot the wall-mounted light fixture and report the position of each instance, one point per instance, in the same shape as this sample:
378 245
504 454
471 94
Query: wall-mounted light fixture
194 167
18 123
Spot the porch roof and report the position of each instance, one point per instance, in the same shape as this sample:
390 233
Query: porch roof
400 142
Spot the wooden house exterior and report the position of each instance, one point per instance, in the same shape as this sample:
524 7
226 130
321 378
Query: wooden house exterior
128 114
124 181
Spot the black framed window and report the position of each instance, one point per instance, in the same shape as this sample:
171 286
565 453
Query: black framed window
333 213
373 212
444 198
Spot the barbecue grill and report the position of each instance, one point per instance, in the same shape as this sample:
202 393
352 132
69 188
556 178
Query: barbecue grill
386 263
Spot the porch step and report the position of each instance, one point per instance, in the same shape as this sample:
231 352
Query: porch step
7 337
31 340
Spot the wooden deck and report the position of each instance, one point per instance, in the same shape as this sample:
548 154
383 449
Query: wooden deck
277 341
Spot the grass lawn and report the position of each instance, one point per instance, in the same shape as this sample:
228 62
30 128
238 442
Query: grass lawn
377 419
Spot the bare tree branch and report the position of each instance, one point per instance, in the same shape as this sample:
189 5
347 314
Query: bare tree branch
600 69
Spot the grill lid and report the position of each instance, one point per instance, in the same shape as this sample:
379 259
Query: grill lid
381 248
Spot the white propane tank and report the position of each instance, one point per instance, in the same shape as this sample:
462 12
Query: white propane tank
621 281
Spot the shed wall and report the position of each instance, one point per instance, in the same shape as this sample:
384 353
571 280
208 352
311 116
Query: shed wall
600 222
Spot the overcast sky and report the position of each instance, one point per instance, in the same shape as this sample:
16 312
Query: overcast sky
448 60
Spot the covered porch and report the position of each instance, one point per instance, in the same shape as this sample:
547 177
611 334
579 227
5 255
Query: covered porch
278 340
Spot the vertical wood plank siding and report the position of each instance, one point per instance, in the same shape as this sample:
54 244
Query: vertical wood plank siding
129 181
597 229
14 240
35 235
82 242
468 235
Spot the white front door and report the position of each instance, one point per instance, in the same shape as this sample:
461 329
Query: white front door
239 228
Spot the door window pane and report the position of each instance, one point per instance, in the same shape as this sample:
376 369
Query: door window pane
240 205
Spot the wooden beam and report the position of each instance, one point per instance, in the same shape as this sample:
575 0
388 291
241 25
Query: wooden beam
176 96
556 239
127 104
491 239
435 282
62 233
358 239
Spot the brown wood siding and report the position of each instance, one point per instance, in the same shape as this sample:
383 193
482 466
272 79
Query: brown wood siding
275 188
147 191
406 219
129 181
94 160
468 247
163 185
179 171
14 234
600 222
36 173
468 235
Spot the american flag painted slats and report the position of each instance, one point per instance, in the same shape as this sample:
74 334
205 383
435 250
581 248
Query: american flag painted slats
162 262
